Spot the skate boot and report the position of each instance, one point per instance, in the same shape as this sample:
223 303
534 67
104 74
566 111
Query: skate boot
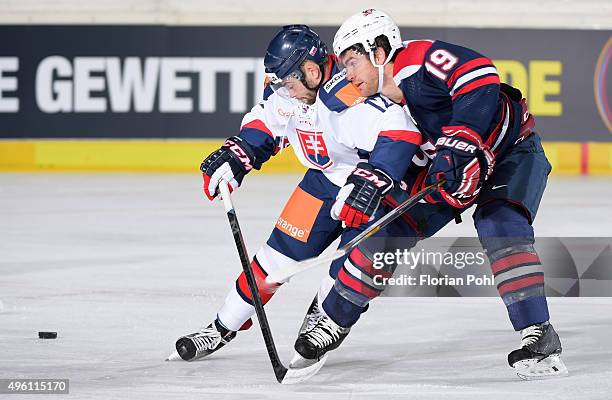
313 315
204 342
539 356
318 335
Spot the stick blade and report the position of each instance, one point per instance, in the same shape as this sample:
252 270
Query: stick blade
296 375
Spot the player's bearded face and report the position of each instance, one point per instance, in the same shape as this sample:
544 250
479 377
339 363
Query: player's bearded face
361 72
298 91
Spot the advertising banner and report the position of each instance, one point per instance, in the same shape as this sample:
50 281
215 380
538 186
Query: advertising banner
197 82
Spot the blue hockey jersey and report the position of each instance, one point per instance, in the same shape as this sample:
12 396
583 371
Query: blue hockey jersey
448 88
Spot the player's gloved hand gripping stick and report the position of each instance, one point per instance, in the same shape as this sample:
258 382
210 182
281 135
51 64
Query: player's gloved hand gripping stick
295 268
283 375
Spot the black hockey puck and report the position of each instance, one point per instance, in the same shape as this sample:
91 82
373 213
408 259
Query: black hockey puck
47 335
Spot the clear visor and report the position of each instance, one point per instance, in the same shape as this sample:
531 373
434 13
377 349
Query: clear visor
284 86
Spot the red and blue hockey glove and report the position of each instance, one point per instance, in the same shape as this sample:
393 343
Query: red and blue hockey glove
229 163
465 163
360 196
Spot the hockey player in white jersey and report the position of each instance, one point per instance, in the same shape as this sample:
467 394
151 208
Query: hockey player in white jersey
342 138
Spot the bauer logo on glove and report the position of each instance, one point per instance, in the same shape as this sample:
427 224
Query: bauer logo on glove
456 143
465 162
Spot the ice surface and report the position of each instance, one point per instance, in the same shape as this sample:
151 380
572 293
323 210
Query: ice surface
120 265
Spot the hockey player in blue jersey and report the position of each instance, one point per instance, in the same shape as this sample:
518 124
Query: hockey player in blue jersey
339 136
479 136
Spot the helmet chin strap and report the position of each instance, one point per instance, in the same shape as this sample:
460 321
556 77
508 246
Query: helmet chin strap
381 69
381 77
317 86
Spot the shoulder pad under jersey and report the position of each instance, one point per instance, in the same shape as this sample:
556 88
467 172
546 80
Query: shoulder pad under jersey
338 93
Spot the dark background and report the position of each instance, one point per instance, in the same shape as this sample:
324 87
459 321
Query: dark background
577 50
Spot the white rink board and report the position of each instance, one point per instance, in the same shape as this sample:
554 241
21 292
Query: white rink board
582 14
121 265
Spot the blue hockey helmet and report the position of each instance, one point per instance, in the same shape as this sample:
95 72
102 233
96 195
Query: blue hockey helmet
289 48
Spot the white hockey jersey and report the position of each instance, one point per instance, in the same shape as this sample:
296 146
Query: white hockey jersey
336 132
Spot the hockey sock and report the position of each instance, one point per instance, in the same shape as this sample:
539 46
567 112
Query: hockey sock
506 234
354 287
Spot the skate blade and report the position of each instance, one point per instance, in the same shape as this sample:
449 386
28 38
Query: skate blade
174 357
549 367
301 369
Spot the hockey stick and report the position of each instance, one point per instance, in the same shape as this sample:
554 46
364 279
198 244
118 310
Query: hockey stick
295 268
283 375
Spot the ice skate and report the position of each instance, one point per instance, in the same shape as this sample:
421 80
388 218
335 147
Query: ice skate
539 356
318 335
202 343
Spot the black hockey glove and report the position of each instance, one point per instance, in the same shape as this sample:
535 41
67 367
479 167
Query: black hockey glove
230 163
360 196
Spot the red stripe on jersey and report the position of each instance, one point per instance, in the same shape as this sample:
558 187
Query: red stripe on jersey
259 125
513 260
487 80
413 54
358 286
521 284
405 136
478 62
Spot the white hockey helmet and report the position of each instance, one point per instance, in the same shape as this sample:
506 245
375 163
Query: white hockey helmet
363 28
